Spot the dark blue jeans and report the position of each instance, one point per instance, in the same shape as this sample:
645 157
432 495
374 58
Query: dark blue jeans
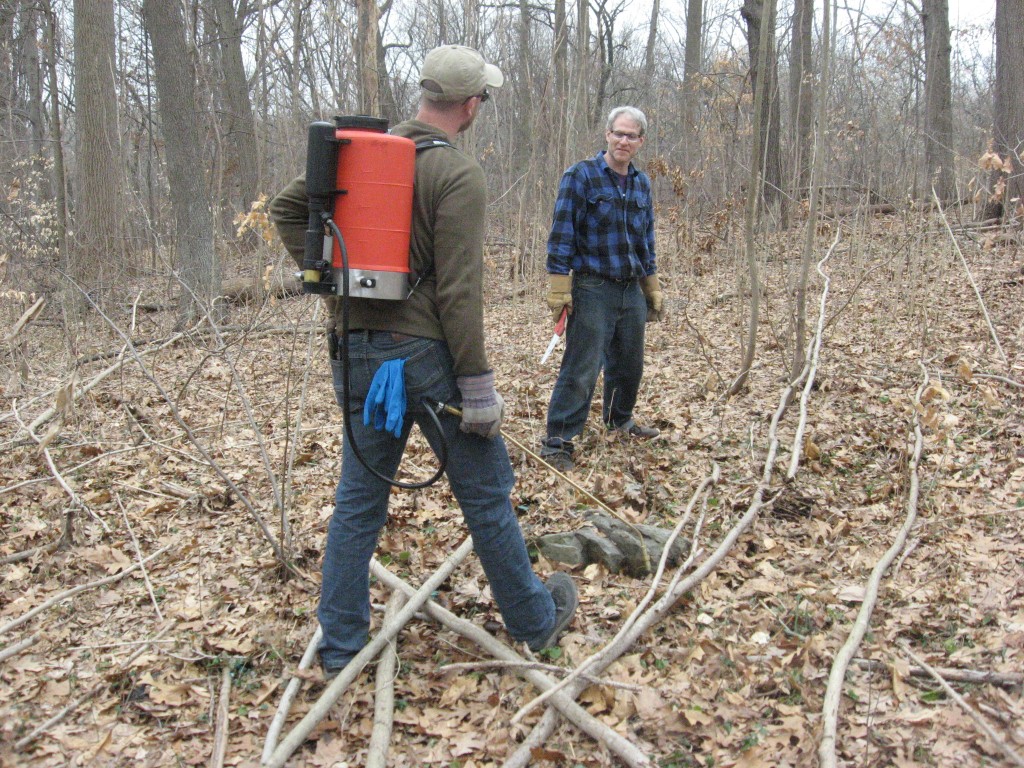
605 330
481 479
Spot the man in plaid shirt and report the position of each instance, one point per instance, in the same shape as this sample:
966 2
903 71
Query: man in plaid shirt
602 268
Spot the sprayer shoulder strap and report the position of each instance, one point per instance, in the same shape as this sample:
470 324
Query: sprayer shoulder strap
421 145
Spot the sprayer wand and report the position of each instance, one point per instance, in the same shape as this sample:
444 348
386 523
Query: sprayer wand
452 410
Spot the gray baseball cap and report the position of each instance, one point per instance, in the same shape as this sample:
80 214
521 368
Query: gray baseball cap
455 73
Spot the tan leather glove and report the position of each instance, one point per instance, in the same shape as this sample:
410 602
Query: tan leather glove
560 295
655 299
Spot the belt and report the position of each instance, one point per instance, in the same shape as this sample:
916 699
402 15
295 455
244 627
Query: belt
619 280
396 337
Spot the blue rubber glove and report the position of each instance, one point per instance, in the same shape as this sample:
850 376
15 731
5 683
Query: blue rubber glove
395 404
385 402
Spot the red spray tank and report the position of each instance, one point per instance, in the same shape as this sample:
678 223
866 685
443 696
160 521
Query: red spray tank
361 177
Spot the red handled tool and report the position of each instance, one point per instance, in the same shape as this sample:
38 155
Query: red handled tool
559 330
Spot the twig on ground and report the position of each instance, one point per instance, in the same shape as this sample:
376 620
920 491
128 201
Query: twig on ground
337 687
679 587
384 698
974 676
1005 748
620 746
138 557
68 593
833 692
15 648
76 502
220 737
815 355
1003 379
970 278
617 643
536 665
277 723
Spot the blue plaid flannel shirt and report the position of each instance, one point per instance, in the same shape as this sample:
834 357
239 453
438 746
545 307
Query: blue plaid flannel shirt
600 228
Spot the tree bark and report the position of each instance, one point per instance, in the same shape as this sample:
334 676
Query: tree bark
98 251
801 93
1009 104
692 59
757 13
652 39
938 120
197 265
239 124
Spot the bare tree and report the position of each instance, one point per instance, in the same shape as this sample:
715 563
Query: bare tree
99 227
801 91
238 121
174 68
652 39
760 14
692 64
1009 104
938 121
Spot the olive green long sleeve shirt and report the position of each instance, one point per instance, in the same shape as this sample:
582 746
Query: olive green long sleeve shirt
448 221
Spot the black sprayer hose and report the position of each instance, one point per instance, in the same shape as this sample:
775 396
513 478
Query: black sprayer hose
442 453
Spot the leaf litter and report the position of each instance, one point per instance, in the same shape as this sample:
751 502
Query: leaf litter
734 677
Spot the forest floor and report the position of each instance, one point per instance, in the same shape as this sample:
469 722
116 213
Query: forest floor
734 676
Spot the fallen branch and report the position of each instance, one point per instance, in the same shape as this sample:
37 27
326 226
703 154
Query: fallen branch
27 317
15 623
617 645
274 731
384 699
15 648
220 737
337 687
1005 748
552 669
619 745
813 357
677 589
972 676
970 278
1003 379
833 692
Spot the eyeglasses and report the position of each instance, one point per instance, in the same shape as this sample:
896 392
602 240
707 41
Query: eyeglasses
483 96
632 138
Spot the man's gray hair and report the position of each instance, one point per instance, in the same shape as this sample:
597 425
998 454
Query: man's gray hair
632 112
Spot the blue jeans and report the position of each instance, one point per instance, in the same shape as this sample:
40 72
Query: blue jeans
481 479
605 330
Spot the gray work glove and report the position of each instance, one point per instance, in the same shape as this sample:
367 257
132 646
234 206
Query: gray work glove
482 406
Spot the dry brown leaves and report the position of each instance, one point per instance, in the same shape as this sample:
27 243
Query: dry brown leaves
734 678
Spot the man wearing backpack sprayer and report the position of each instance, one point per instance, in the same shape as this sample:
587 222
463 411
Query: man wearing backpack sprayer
438 332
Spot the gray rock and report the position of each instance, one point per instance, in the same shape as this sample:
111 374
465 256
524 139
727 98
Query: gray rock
562 548
599 549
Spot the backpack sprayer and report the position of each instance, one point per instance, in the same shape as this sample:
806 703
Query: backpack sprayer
359 183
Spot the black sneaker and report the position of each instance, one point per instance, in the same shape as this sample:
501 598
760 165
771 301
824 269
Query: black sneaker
563 592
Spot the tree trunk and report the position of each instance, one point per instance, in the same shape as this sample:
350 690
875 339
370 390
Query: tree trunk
367 28
1009 107
652 39
98 252
692 59
760 14
560 65
938 119
239 124
175 73
801 92
581 114
56 136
